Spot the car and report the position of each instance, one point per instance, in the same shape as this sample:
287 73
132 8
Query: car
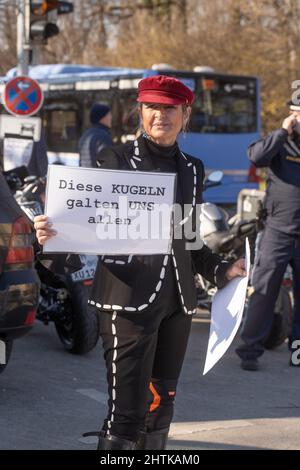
19 282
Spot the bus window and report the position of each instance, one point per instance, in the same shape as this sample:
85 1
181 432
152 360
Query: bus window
224 106
62 128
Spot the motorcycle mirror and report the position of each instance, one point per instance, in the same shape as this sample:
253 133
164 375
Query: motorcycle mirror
215 176
30 179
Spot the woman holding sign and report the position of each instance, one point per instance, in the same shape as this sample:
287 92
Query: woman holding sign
146 303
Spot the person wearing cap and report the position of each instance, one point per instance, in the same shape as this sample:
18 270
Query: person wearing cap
97 137
146 303
280 241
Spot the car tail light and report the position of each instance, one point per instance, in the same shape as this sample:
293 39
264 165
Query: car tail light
30 317
20 249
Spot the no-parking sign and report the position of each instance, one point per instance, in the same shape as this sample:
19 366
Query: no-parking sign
22 96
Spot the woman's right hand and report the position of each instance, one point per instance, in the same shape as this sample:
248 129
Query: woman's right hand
43 229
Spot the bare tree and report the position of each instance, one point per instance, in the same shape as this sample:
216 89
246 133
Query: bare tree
254 37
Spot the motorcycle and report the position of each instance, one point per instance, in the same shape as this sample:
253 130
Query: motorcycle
227 237
63 298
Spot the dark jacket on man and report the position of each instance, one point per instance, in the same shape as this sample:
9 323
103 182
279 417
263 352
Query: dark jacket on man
281 153
91 143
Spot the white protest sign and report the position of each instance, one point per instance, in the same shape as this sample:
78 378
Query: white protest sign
226 316
98 211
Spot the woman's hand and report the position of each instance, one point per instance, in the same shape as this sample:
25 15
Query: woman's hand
237 269
43 229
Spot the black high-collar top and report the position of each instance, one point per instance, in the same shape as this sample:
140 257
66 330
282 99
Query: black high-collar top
164 157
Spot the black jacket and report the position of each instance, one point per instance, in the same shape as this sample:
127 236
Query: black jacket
281 153
133 283
91 143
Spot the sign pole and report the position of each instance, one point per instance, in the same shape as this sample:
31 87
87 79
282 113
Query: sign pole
23 19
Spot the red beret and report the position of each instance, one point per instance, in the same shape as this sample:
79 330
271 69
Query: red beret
164 90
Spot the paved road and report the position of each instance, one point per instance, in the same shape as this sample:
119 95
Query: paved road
48 398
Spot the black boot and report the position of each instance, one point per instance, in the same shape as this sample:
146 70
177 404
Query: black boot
109 442
155 440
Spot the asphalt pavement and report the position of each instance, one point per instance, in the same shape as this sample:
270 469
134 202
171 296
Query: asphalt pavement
49 398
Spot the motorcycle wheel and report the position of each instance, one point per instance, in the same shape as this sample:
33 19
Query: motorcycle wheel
9 345
282 322
79 332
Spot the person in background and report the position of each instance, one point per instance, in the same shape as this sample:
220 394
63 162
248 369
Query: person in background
280 241
97 137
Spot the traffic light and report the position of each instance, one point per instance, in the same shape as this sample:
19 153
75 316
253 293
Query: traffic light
43 17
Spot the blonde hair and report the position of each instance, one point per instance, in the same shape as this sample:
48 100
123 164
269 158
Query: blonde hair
185 126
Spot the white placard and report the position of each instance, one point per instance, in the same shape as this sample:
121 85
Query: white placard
98 211
16 152
226 315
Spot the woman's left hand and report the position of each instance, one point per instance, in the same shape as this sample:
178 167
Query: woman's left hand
237 269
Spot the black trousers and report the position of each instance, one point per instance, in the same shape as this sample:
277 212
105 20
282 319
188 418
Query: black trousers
144 354
276 251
